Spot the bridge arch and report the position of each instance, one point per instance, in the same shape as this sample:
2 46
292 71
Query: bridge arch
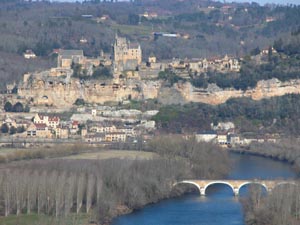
253 182
189 182
218 182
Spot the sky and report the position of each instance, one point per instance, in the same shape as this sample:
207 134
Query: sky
261 2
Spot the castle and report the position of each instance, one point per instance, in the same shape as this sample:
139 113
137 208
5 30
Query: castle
66 58
56 87
126 55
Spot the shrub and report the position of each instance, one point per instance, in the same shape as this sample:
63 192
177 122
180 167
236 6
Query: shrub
8 107
79 101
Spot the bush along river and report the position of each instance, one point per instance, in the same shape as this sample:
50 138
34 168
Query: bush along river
219 206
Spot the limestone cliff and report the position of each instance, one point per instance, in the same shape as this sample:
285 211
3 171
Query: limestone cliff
63 92
215 95
41 89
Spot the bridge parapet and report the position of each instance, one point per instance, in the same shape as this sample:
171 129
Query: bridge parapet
236 185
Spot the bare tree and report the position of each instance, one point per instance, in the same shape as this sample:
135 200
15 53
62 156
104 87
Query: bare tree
81 183
90 191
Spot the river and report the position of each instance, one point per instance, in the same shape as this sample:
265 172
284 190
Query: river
218 207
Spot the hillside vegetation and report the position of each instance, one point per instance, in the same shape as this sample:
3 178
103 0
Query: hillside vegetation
44 26
277 114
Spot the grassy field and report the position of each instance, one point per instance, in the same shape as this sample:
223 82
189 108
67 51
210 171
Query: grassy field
6 151
34 219
109 154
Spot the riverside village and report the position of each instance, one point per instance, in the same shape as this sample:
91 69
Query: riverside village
138 112
113 98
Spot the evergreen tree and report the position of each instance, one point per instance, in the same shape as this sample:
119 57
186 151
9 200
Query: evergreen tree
4 128
8 107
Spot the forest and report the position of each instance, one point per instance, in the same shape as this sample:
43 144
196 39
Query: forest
273 115
106 188
44 26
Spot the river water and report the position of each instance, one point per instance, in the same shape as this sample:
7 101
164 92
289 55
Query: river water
218 207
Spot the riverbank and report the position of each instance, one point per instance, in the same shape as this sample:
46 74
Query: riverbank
107 187
281 207
287 150
219 206
243 151
123 210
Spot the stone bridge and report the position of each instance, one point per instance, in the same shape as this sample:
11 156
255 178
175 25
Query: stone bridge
236 185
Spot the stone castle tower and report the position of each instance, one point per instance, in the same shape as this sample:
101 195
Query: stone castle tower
126 56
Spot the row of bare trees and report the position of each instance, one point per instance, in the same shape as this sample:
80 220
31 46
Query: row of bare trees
47 192
281 206
58 187
206 160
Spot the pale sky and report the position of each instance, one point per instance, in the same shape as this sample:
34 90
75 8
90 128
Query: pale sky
261 2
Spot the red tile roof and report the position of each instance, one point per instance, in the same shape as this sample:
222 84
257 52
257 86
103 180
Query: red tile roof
75 123
40 126
53 118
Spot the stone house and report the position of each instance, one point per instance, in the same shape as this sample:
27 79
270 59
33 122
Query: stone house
84 132
152 59
223 126
222 137
195 65
206 136
61 132
204 65
218 64
94 138
265 51
103 128
128 130
9 122
149 15
11 87
234 139
51 121
229 64
40 130
74 127
29 54
115 137
65 58
179 64
147 124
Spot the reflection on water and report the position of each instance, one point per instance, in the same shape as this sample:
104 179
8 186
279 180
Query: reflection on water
218 207
191 209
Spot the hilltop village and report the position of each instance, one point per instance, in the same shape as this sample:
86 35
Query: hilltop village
88 99
110 106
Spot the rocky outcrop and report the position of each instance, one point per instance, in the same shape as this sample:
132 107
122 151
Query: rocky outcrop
63 92
41 90
214 95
